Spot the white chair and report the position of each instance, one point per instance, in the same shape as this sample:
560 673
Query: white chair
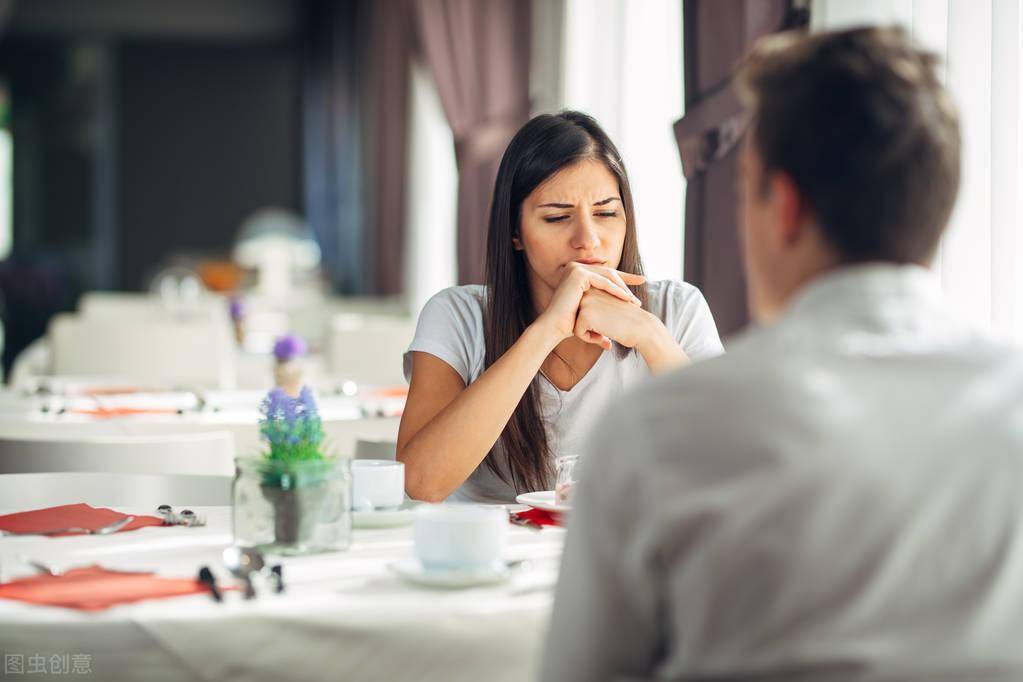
367 349
123 305
33 491
376 448
207 454
187 352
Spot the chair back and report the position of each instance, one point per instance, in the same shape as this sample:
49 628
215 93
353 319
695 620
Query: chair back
186 352
368 349
145 491
207 454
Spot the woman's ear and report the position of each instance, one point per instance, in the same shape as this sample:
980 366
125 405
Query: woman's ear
517 243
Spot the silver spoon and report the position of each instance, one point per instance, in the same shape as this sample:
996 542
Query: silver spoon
243 562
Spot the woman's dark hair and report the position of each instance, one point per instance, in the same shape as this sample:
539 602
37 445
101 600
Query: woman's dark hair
545 145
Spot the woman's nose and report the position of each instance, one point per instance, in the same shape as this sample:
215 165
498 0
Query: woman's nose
585 235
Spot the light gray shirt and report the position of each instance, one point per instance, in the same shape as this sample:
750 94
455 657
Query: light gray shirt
450 327
839 498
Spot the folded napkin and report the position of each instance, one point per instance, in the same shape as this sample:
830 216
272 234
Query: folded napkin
109 390
70 516
388 392
109 412
539 516
94 588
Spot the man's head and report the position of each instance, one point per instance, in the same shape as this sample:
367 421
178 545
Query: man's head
852 156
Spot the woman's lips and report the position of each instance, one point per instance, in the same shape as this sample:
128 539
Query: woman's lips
590 261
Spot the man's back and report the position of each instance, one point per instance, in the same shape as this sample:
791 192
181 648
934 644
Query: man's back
838 497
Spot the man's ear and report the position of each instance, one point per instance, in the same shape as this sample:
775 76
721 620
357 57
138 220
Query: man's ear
517 243
789 206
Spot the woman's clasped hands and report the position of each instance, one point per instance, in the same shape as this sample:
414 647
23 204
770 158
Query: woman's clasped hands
594 303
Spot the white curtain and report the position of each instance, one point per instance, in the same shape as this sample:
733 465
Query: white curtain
621 62
981 41
432 194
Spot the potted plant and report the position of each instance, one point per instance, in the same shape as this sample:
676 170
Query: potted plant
305 491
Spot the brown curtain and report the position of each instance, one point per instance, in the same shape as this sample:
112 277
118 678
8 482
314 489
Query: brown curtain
478 51
390 54
717 35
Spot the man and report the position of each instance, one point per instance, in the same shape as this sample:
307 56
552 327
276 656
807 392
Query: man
841 496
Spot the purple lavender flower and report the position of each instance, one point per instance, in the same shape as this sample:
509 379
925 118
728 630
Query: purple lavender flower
236 306
291 426
289 347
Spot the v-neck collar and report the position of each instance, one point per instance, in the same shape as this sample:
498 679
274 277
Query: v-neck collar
584 378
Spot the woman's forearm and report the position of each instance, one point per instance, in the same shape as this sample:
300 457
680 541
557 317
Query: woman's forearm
444 452
659 349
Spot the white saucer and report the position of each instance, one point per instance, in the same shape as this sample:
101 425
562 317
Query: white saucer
383 518
544 500
412 571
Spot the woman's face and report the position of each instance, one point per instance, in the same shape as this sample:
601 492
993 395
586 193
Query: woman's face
576 215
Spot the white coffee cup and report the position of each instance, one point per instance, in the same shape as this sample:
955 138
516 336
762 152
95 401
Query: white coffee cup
459 537
377 484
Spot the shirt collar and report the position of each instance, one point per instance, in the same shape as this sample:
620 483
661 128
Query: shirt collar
864 287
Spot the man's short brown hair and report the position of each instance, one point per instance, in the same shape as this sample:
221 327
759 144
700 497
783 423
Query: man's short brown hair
861 123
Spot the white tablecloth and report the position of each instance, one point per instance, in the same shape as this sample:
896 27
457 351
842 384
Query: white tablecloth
344 616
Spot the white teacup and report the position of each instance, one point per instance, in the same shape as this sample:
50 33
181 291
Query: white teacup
460 537
377 484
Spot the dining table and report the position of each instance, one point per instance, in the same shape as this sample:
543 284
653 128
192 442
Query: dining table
372 412
344 615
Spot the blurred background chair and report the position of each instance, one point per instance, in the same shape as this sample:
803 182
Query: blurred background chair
367 349
207 454
31 491
139 306
376 448
183 352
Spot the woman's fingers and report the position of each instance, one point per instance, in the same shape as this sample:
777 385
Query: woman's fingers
631 278
583 332
604 284
590 336
615 277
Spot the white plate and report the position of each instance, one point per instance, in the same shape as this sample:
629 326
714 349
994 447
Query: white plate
412 571
383 518
544 500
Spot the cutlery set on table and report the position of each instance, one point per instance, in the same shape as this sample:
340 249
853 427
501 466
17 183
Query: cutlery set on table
92 587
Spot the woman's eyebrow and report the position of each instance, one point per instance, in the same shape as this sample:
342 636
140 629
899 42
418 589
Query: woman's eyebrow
602 202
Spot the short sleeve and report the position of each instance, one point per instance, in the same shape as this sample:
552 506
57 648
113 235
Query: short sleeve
697 333
685 313
450 327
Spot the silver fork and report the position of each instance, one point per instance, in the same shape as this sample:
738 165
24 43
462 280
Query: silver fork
103 530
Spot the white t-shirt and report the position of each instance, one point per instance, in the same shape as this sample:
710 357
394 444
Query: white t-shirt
450 327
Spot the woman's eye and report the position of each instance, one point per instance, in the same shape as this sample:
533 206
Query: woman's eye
555 218
608 214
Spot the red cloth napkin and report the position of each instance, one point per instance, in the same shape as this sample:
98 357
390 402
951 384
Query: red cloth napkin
68 516
93 588
539 516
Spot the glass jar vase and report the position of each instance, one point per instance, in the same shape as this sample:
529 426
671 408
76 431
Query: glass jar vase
292 508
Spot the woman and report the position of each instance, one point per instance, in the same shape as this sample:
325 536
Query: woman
506 377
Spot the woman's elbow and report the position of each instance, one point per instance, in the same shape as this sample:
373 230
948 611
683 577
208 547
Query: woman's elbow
419 485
